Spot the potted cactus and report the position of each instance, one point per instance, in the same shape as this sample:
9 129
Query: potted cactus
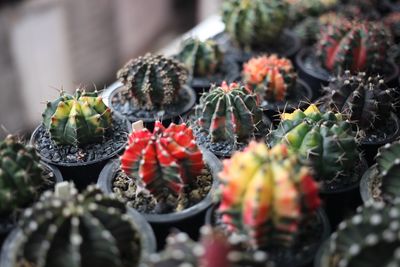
271 201
214 249
227 117
150 88
274 81
22 177
69 229
256 27
369 238
348 45
367 102
79 134
206 64
165 176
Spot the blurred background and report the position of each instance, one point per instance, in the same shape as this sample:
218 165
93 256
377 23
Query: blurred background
46 45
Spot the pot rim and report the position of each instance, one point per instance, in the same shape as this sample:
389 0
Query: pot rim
365 182
109 171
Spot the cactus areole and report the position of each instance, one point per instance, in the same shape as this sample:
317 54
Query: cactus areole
164 161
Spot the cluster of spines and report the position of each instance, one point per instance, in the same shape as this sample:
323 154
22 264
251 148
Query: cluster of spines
270 77
229 113
266 195
202 58
153 81
77 119
165 161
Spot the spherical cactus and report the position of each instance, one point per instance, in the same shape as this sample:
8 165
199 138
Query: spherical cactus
254 22
202 58
229 112
267 194
77 119
153 81
324 140
165 161
300 9
70 229
21 175
270 77
355 46
370 238
365 100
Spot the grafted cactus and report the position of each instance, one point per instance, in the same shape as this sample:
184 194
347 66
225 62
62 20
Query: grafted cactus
153 81
355 46
266 194
202 58
165 161
254 22
229 112
77 119
370 238
20 175
324 140
70 229
270 77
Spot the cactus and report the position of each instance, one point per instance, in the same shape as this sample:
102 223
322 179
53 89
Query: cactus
77 119
153 81
213 250
266 194
368 239
365 100
228 112
202 58
355 46
270 77
20 175
301 9
70 229
254 22
323 140
165 161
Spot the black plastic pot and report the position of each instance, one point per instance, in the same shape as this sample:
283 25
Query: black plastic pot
13 242
306 261
188 100
81 173
317 77
365 183
188 220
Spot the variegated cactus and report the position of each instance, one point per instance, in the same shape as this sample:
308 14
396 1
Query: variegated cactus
153 81
229 112
324 140
355 46
266 194
70 229
77 119
270 77
164 161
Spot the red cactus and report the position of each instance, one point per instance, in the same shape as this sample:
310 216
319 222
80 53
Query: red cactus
165 160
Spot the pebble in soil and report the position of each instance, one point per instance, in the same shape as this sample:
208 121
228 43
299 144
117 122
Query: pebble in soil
138 198
114 140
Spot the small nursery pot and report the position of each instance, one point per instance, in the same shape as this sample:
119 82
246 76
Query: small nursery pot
172 113
313 74
367 182
8 256
308 256
81 172
188 220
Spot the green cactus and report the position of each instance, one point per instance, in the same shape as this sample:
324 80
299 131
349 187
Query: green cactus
324 140
253 23
202 58
229 113
365 100
370 238
21 175
77 119
70 229
301 9
153 81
